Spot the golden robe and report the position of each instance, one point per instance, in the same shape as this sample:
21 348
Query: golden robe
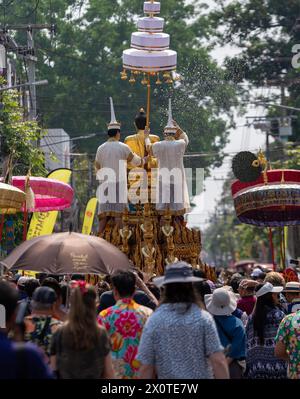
136 143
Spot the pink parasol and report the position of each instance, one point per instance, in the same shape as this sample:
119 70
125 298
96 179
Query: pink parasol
49 194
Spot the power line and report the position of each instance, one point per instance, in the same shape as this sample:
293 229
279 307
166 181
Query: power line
71 139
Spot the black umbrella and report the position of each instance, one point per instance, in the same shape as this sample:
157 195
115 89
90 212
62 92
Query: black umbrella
67 253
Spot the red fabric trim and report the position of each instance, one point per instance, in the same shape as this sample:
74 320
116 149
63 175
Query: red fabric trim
274 176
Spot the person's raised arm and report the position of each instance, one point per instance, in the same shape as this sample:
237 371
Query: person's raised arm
142 286
134 159
148 141
180 134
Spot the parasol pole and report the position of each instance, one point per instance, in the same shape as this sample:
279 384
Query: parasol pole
148 100
272 248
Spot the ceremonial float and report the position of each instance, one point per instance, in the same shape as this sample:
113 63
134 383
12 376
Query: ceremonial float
264 197
149 242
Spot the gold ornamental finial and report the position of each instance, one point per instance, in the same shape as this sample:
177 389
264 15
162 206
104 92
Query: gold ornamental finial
263 162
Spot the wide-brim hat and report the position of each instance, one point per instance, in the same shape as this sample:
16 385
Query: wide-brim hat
179 272
268 287
292 286
221 303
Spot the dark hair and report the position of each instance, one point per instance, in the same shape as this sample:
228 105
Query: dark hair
8 298
107 279
154 289
141 120
113 132
261 276
202 288
54 284
180 293
124 283
262 307
77 277
30 286
41 277
64 293
235 282
103 286
199 273
55 276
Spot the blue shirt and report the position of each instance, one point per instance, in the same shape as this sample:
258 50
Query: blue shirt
232 328
178 340
33 367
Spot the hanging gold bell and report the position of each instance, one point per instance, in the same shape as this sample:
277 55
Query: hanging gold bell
169 81
123 75
166 75
144 81
158 82
132 79
136 72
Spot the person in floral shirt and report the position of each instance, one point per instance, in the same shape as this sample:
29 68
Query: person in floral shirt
124 323
288 343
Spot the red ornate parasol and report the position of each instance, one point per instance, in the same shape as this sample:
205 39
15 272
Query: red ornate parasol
271 200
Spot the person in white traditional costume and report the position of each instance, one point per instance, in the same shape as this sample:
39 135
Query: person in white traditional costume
172 191
111 166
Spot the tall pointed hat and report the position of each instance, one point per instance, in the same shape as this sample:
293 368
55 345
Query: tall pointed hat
113 121
170 128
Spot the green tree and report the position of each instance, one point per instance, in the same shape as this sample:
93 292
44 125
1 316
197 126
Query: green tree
19 138
265 32
83 61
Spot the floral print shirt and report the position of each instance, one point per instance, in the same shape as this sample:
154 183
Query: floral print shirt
124 323
289 334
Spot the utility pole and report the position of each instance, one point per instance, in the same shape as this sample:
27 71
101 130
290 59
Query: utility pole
27 53
31 63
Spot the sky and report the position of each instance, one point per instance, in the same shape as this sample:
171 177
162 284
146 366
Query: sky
240 138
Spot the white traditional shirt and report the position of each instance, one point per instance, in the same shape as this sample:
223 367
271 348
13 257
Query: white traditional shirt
112 192
172 193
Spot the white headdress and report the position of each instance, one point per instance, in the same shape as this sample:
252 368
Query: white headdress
113 121
170 128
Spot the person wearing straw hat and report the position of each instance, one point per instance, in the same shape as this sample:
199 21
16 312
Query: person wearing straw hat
292 295
221 304
111 165
180 339
172 190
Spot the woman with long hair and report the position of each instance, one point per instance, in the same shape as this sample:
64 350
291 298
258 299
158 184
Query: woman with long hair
261 332
180 339
80 348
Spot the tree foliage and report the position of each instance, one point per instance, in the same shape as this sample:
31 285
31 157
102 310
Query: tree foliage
19 138
82 63
265 32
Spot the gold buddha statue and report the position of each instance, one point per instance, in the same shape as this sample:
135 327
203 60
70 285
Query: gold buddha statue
136 142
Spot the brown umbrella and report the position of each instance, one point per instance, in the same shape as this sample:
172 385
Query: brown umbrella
67 253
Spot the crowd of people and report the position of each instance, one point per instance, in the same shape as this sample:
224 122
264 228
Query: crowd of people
127 326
